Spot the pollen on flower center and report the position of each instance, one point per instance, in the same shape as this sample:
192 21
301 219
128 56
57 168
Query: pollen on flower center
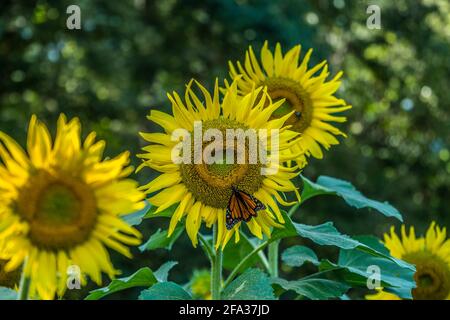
58 204
60 210
211 183
221 169
432 276
296 100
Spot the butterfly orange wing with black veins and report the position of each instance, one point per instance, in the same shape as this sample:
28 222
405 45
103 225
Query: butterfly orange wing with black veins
242 207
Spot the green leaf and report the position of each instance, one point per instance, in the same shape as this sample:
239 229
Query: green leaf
394 278
135 218
165 291
166 213
344 189
374 243
160 240
311 189
288 230
296 256
322 234
144 277
326 234
314 287
253 284
235 252
7 294
342 273
163 272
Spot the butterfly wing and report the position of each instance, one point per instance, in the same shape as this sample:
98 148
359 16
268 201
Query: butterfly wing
259 204
232 215
230 222
249 205
242 207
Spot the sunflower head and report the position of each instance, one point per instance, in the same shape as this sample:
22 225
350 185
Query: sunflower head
60 205
431 256
201 189
307 93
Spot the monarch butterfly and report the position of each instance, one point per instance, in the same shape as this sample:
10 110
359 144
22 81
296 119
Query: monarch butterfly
241 207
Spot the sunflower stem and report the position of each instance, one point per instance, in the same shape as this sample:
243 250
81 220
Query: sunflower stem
273 258
261 255
24 286
216 269
294 208
236 270
206 247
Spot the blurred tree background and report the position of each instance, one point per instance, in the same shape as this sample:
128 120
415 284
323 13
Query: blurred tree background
128 54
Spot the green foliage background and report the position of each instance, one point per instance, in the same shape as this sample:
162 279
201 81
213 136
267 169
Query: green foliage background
130 53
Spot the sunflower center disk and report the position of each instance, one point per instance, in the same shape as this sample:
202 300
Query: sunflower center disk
297 100
221 169
211 182
61 211
432 276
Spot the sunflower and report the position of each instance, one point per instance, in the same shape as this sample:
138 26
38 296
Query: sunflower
201 191
430 255
309 96
61 206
